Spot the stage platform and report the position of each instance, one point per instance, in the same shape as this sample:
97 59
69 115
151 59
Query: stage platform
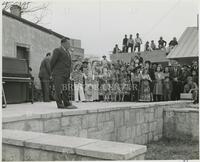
37 108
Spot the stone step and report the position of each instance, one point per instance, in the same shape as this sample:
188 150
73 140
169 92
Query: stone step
22 145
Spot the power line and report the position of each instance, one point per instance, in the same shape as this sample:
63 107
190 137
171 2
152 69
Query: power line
162 18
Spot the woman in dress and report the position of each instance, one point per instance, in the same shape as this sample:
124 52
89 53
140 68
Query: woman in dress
145 94
158 87
95 82
88 83
135 81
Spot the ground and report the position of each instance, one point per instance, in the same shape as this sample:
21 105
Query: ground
172 149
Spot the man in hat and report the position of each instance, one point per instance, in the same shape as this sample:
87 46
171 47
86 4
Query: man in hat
44 75
104 62
61 63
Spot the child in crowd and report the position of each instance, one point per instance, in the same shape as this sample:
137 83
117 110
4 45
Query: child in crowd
77 77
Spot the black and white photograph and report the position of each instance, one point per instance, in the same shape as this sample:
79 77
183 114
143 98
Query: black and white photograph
99 80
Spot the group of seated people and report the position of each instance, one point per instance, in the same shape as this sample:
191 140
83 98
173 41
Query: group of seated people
137 80
162 44
133 44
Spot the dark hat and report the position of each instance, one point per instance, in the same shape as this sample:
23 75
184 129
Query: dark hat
64 39
78 63
85 60
104 56
138 67
147 61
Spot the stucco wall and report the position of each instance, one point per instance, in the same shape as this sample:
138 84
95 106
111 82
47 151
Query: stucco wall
39 42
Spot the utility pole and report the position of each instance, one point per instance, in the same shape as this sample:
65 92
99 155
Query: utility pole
197 21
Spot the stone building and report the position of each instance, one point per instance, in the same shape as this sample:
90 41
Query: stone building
26 40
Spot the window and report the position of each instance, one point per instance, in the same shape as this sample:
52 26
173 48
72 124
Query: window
23 53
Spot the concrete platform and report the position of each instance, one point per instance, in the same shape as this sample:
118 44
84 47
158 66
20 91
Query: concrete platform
28 109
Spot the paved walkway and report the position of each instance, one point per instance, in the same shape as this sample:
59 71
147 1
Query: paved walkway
14 110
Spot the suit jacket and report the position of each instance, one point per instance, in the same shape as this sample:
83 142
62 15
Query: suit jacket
61 62
175 74
45 69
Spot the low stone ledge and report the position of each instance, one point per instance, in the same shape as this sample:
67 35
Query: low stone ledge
15 137
60 113
181 110
74 112
91 148
111 150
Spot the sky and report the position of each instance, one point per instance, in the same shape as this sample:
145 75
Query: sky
100 24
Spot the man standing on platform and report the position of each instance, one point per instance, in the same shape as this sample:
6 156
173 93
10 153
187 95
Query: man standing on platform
125 44
44 75
61 66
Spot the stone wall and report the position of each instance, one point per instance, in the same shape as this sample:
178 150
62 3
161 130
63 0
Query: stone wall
138 125
181 123
32 146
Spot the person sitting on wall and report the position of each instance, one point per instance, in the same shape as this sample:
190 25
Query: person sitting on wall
161 43
191 87
153 45
138 42
147 47
172 44
116 49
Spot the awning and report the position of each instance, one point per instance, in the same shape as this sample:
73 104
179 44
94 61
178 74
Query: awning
187 45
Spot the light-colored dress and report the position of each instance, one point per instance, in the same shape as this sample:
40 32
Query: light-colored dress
95 86
158 87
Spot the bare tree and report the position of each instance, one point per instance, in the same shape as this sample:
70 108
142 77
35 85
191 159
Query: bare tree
36 11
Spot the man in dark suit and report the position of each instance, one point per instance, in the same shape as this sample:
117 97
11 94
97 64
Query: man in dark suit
175 75
44 75
61 66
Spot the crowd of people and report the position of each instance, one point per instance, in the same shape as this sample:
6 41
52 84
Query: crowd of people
135 44
135 81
